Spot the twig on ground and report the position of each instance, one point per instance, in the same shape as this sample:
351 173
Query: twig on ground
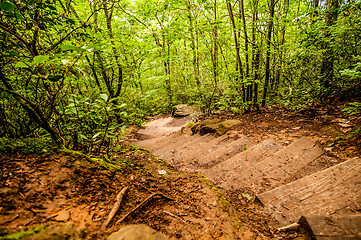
291 227
175 216
115 208
140 205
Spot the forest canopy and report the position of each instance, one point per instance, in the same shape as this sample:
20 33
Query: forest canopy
78 72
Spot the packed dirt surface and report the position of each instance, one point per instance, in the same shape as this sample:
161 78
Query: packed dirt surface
80 191
68 195
162 126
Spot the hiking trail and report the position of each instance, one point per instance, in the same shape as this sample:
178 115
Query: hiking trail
325 201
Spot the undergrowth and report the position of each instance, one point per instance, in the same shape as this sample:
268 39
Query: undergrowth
25 146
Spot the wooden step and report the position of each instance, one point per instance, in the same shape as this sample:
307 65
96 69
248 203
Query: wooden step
187 162
230 168
274 170
161 152
206 148
225 152
179 146
195 144
335 190
170 140
149 143
344 227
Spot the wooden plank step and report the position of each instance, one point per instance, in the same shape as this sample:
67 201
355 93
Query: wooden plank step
239 145
187 162
272 171
229 169
195 144
335 190
206 148
344 227
172 139
162 152
173 149
149 143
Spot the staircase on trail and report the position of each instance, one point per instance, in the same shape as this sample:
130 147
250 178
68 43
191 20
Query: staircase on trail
269 169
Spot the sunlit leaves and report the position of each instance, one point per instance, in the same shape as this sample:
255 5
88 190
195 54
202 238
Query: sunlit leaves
104 96
22 65
41 59
7 6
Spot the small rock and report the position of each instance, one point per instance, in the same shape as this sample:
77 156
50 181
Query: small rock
287 142
217 126
182 110
137 232
62 216
345 125
329 149
162 172
232 133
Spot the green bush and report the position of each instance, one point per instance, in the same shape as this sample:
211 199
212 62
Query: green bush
26 145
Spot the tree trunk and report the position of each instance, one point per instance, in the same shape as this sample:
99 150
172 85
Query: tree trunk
215 45
239 67
282 47
108 18
255 54
243 18
326 73
268 51
195 60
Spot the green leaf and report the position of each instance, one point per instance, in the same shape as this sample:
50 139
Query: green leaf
104 96
21 65
7 6
19 16
245 195
55 78
41 58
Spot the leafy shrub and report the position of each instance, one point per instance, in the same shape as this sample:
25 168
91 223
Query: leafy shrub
25 145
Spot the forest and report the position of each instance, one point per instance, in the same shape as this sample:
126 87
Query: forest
90 142
77 73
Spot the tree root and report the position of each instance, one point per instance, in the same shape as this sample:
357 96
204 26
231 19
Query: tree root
115 208
140 205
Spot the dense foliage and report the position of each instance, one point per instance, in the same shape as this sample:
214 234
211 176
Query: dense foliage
78 72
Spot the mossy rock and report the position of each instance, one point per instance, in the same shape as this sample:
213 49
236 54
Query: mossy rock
217 126
137 232
52 232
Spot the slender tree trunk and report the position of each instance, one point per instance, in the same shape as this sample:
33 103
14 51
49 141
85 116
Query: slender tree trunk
239 67
282 47
193 44
255 54
215 44
246 41
268 51
108 18
328 56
